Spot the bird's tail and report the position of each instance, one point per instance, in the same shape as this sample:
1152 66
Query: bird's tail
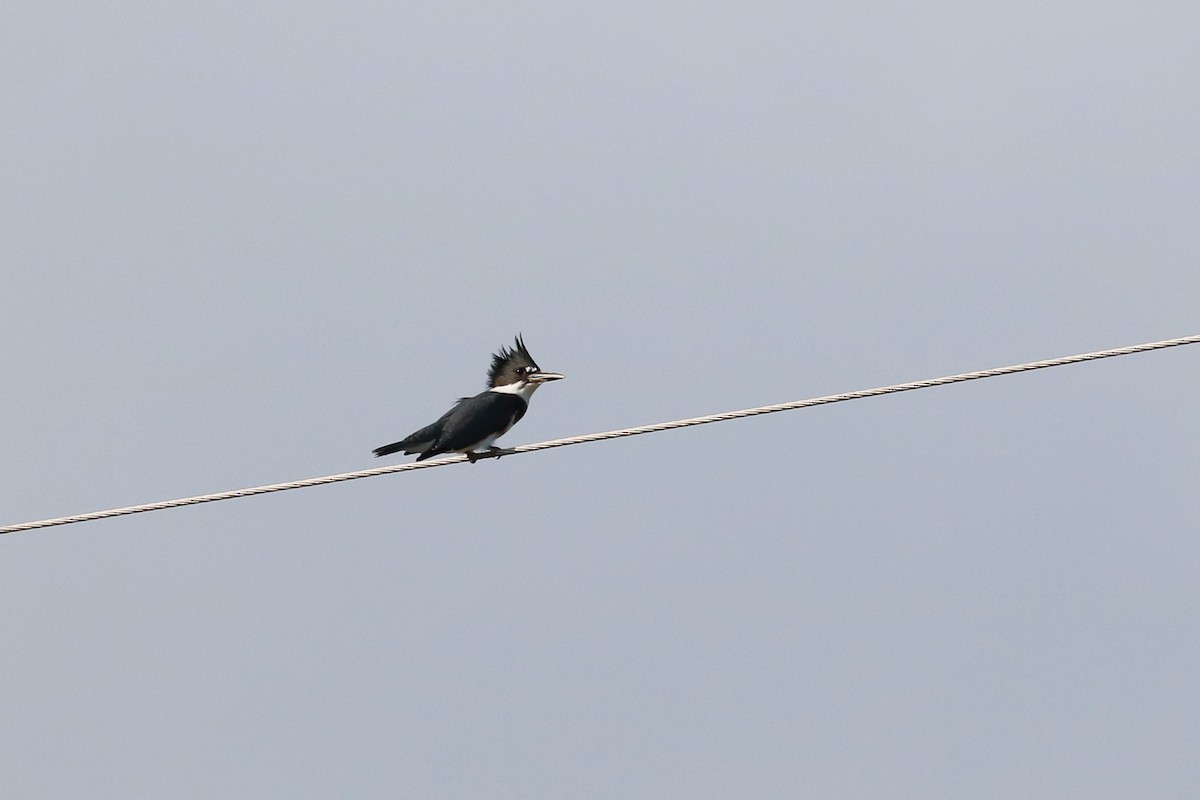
388 449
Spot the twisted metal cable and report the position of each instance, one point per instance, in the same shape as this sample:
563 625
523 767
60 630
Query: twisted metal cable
598 437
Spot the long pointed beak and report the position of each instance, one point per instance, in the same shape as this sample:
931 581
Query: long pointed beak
543 377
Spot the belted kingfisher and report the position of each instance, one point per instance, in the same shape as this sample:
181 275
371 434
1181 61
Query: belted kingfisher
475 422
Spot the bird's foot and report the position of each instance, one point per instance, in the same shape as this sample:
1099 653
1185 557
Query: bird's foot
491 452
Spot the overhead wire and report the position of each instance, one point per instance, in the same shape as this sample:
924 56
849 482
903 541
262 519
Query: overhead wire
617 434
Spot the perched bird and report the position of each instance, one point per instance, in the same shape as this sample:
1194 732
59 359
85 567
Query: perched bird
475 422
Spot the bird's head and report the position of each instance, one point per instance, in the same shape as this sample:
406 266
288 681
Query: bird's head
513 369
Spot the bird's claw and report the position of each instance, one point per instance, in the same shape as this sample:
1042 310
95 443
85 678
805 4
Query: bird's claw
491 452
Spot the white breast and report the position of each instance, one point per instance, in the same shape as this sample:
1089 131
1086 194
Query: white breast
522 389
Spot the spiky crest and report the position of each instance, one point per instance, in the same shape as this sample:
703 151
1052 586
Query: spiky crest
507 361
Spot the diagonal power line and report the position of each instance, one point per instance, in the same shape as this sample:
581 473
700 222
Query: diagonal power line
599 437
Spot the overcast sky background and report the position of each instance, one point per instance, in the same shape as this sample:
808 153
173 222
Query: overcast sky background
246 243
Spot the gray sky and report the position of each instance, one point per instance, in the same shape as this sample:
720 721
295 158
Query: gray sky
248 242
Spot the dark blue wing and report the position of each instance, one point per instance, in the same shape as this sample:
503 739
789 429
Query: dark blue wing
475 419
